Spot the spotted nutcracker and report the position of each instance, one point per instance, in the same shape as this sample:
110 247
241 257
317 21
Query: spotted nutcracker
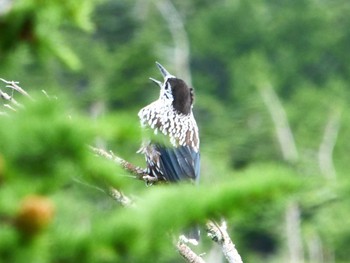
174 157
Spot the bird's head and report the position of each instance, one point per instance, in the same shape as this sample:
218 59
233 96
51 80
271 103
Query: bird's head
175 90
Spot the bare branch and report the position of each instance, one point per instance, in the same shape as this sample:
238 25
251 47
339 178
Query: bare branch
112 192
219 235
7 97
279 117
9 106
296 253
13 85
49 96
325 152
12 103
138 172
120 197
181 43
188 254
315 248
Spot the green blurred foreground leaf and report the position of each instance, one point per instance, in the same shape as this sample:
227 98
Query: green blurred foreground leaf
45 159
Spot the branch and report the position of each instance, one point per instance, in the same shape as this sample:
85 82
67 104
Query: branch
12 104
13 85
181 43
315 248
294 241
138 172
325 152
120 197
187 253
279 117
219 235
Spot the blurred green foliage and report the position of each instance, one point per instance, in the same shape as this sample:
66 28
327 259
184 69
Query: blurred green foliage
101 53
46 162
38 24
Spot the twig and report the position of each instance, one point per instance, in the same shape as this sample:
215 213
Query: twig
120 197
10 99
295 247
7 97
279 117
187 253
138 172
219 235
48 96
315 248
325 152
112 192
9 106
13 85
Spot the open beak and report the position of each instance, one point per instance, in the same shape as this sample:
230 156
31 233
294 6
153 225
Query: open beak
157 82
164 72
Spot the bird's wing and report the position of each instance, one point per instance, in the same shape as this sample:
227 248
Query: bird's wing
179 163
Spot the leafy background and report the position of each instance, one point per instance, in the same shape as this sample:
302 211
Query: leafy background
283 201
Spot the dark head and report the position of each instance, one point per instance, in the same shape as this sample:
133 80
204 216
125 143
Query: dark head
176 90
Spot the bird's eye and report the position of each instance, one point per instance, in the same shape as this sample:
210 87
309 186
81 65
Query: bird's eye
167 85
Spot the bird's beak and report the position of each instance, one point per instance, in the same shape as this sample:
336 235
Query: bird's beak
157 82
164 72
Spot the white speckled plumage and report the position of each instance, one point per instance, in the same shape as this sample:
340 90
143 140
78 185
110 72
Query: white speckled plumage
161 115
171 114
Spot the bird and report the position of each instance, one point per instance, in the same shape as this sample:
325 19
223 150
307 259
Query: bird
173 153
173 157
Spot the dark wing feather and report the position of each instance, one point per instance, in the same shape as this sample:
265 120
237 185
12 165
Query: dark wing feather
179 163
